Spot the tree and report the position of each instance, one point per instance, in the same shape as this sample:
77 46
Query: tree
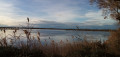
110 8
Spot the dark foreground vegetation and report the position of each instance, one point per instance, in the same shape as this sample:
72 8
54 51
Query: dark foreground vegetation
14 46
34 48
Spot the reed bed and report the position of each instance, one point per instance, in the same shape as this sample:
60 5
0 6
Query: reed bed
33 47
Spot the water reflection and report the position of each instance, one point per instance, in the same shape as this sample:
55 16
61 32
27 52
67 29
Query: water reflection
59 35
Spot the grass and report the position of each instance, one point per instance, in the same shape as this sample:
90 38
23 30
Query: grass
33 47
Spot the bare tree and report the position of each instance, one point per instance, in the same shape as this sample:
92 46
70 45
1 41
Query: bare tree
110 8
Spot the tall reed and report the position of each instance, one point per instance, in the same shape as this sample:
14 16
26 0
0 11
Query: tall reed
33 47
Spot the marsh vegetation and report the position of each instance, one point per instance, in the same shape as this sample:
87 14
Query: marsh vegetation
32 46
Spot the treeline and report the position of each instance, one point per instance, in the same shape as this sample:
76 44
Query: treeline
57 29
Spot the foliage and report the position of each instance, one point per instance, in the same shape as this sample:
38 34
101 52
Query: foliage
109 7
113 42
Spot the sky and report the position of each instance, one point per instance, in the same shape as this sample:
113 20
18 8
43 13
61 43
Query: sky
51 13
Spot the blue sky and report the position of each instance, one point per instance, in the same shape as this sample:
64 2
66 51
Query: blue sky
74 12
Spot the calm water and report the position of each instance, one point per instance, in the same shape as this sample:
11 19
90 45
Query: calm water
59 35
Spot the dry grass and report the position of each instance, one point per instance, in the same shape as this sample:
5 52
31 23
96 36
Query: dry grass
15 47
113 42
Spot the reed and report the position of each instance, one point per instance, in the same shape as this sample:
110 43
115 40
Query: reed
14 46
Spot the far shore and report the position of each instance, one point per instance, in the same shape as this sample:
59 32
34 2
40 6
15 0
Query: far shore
13 28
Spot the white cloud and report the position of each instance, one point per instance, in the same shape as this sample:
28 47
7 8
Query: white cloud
8 14
96 18
59 11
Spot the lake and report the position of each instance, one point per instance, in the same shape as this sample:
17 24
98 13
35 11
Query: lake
58 35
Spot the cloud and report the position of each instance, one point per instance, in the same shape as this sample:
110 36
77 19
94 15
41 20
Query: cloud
13 12
96 18
54 24
9 14
6 12
59 12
